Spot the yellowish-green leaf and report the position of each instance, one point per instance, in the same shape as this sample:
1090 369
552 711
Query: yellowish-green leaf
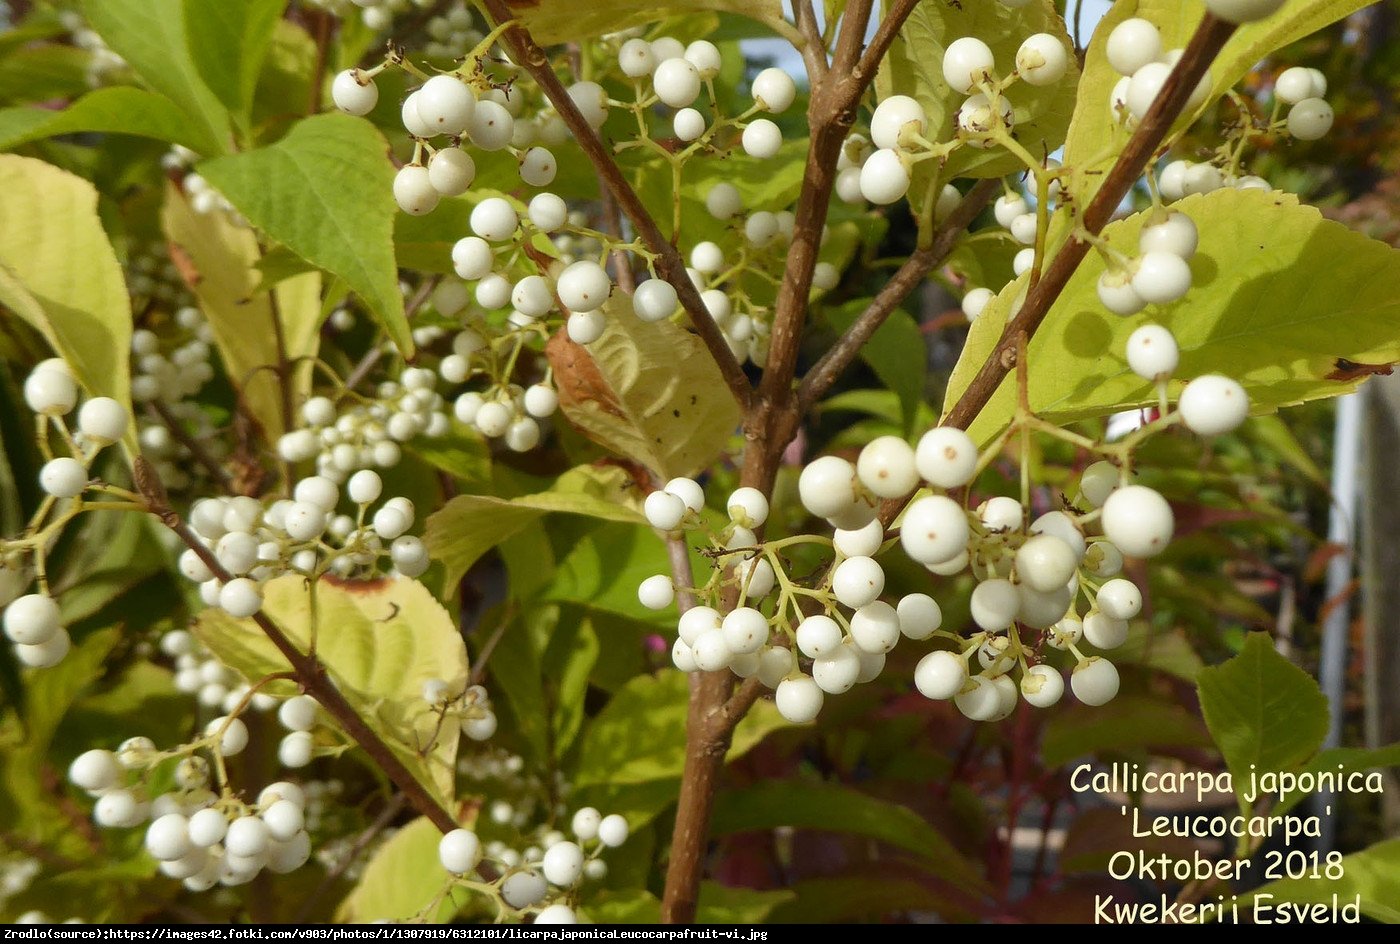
914 67
52 244
380 640
325 191
1371 875
647 391
470 525
640 735
557 21
1094 130
151 36
400 880
226 281
1279 295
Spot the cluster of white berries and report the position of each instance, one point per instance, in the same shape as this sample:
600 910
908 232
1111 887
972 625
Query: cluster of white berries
32 621
364 434
471 709
1030 573
295 535
452 34
200 837
448 106
173 367
1135 52
543 879
902 136
1160 274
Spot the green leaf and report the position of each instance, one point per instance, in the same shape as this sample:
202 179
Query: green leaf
897 353
569 659
325 191
1264 712
1279 294
557 21
1372 875
462 453
601 572
226 281
380 640
914 67
1128 723
53 246
120 110
720 904
1347 759
869 895
810 804
647 391
151 36
29 809
470 525
640 735
228 42
43 73
400 880
1093 133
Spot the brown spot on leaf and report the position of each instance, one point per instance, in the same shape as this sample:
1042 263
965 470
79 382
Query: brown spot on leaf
375 585
577 377
185 265
1350 370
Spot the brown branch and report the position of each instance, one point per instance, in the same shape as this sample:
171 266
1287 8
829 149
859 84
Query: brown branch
527 54
909 276
884 36
681 574
310 673
707 742
831 111
814 49
195 448
1205 44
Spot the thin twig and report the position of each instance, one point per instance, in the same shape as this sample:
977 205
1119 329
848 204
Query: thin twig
910 275
196 449
814 49
527 53
381 822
